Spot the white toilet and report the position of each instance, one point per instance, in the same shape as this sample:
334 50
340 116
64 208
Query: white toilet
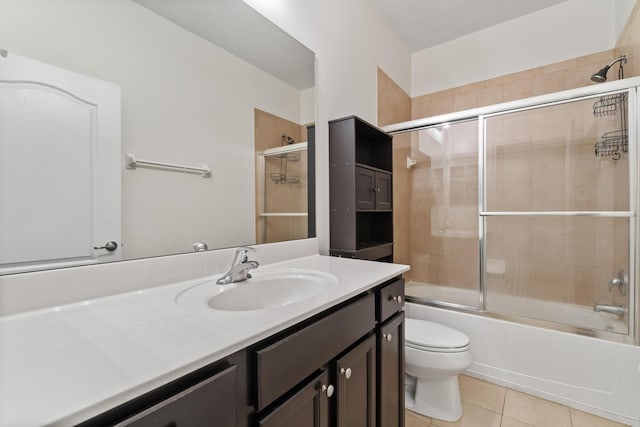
434 356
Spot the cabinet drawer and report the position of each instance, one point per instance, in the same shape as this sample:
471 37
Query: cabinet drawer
210 402
282 365
391 299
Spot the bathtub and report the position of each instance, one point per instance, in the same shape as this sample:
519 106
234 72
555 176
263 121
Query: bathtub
589 374
582 317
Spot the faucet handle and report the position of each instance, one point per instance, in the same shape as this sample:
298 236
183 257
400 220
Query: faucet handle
619 281
242 254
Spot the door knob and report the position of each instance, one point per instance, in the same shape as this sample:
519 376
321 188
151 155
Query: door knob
328 390
387 337
346 372
109 246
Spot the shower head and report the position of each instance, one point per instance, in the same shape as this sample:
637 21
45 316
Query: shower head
601 76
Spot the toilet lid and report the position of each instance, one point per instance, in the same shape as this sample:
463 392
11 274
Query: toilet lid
434 336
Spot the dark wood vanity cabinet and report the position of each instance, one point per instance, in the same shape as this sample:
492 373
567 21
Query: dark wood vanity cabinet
341 368
216 394
361 381
342 345
391 354
210 401
391 372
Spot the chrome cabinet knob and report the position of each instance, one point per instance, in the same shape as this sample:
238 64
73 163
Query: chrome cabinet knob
397 299
110 246
346 372
388 337
328 390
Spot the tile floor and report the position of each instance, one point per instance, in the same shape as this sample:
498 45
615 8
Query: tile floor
489 405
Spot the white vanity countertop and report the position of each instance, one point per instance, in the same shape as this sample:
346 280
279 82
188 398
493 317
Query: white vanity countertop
63 365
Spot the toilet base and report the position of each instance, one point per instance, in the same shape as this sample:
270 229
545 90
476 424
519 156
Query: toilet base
438 398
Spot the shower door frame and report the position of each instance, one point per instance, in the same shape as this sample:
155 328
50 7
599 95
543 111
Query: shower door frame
631 86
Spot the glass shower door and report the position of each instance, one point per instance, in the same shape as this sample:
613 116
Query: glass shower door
444 215
557 213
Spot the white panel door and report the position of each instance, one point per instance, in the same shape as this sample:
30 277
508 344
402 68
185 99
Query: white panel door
59 166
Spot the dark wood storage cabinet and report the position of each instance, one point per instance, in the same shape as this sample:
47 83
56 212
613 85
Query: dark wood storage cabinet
360 190
342 368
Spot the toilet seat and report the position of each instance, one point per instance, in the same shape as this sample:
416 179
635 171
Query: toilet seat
428 336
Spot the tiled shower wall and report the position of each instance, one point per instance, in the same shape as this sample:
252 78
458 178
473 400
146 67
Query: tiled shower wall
414 244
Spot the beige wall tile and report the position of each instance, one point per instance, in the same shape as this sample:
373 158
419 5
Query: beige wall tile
490 95
535 411
465 100
394 105
548 83
428 105
629 43
518 89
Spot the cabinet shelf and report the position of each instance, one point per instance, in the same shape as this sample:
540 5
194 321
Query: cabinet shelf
362 165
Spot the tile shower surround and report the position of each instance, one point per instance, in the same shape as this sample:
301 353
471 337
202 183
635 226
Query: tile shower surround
430 257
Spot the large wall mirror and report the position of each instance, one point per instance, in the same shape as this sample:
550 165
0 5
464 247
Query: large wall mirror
100 99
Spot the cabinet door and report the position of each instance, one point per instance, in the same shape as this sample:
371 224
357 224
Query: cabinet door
365 189
211 402
356 386
309 407
391 372
383 191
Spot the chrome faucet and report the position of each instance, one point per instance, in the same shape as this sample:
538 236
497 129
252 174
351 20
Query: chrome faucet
618 310
240 267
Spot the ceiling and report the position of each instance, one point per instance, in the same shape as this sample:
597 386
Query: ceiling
236 27
425 23
239 29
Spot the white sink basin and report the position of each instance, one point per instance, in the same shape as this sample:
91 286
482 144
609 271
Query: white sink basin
268 288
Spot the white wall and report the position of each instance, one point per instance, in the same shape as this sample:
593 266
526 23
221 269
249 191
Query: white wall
568 30
350 41
184 100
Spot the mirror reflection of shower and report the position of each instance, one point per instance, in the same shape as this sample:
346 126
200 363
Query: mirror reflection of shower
283 177
282 164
